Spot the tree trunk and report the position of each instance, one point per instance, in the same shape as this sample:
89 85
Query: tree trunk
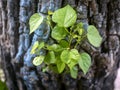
16 43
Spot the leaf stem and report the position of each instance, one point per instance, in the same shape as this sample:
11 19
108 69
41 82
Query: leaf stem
79 41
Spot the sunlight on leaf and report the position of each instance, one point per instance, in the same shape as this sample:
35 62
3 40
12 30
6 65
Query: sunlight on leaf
93 36
65 56
58 33
38 60
34 47
35 21
84 62
65 17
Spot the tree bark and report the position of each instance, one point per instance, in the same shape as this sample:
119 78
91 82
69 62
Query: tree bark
16 43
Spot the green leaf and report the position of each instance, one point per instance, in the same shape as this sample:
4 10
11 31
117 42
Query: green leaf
44 69
74 54
54 47
60 66
80 25
65 56
65 17
41 45
74 57
34 47
84 62
81 31
37 46
50 58
58 33
68 55
74 72
93 36
38 60
50 12
64 44
72 63
35 21
79 28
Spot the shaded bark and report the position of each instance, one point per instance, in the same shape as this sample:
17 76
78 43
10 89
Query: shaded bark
16 43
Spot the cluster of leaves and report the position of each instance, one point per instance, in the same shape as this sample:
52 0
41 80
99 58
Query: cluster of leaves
67 34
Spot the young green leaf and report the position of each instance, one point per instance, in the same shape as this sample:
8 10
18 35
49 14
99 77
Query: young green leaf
41 45
50 12
79 25
65 17
38 60
84 62
44 69
80 31
50 58
72 63
74 57
65 56
93 36
68 55
64 44
58 33
60 66
54 47
74 54
37 46
74 72
35 21
34 47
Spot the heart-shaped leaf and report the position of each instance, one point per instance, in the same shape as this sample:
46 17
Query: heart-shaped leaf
65 56
60 66
65 17
74 54
84 62
58 33
93 36
35 21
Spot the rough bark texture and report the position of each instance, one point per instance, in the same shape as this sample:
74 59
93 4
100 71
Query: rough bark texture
16 43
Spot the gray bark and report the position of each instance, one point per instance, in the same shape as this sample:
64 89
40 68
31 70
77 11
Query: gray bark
16 43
